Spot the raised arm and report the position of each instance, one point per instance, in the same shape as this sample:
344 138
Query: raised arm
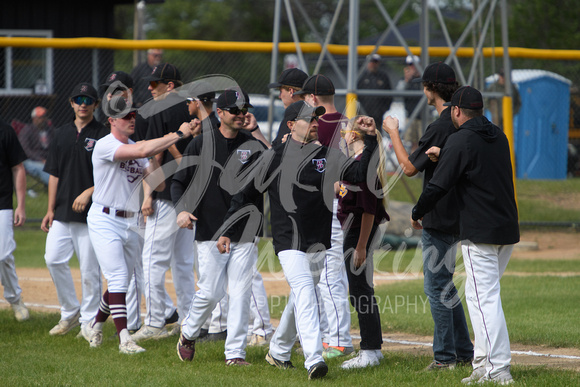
391 126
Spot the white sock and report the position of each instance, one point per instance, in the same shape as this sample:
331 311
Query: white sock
124 336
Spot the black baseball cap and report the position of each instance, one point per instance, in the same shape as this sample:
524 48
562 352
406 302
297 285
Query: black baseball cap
165 72
438 72
233 98
466 97
84 89
117 107
318 85
199 89
121 78
302 109
290 77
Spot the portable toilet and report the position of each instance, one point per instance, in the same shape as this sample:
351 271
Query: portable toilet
541 126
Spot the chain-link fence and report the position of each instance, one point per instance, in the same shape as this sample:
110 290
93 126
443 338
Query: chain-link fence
44 77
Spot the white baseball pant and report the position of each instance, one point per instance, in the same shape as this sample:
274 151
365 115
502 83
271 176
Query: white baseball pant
484 267
116 243
259 310
64 239
333 289
301 314
166 245
219 272
12 290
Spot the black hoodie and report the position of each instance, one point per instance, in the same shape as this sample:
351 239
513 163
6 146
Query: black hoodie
476 160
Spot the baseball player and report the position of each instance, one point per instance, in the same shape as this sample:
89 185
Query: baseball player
299 176
232 151
119 166
165 244
476 160
451 341
318 90
12 177
70 188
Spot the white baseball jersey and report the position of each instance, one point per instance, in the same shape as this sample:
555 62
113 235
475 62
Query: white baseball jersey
116 182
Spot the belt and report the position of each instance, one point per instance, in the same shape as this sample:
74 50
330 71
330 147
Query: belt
119 213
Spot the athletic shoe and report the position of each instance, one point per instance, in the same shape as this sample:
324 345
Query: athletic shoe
238 361
149 333
318 370
503 378
173 319
185 348
365 358
64 326
379 354
220 336
93 336
259 341
331 352
475 376
173 329
129 347
436 366
281 364
20 311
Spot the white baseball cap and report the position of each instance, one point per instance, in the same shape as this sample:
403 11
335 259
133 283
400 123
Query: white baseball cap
411 60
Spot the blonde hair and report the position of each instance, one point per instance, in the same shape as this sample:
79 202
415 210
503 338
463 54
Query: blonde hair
382 167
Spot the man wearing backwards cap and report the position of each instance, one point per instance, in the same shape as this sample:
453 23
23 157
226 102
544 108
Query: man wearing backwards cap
289 83
119 167
451 342
476 161
335 321
299 176
202 191
70 189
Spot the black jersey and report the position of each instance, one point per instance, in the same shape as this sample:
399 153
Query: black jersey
173 112
212 170
300 180
476 160
69 159
11 154
445 215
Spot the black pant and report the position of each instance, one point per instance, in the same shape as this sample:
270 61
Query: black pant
362 293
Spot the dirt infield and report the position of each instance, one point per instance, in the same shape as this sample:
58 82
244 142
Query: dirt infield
39 293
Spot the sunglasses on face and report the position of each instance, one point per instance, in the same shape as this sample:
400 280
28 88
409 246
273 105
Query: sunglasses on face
130 116
236 110
308 119
81 99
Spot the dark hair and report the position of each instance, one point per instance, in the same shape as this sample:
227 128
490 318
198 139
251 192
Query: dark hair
444 90
472 113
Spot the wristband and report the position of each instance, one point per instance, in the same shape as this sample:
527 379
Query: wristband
256 128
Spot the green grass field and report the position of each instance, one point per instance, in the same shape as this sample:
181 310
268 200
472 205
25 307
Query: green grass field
540 310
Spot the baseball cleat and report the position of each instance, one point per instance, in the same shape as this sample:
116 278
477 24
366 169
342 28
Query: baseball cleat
259 341
503 378
330 352
20 311
185 348
129 347
93 336
318 370
238 361
436 366
475 376
365 358
149 333
64 326
281 364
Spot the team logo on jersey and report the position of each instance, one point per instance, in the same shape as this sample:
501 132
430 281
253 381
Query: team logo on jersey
342 191
133 169
90 144
319 164
244 155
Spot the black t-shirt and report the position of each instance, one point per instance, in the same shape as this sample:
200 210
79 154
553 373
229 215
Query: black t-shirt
11 154
282 131
168 120
445 216
213 175
476 159
70 159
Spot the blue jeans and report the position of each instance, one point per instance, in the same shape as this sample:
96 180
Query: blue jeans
451 340
35 169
